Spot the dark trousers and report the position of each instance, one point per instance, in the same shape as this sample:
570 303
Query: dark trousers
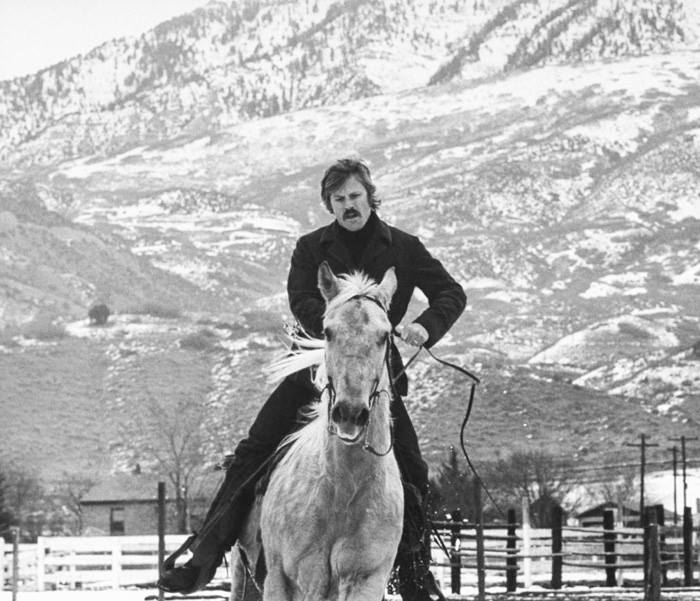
278 417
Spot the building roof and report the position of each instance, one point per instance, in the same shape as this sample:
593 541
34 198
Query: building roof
598 510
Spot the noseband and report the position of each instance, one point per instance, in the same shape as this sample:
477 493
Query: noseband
373 396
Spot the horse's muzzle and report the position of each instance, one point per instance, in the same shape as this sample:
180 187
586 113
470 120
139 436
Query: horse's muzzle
350 420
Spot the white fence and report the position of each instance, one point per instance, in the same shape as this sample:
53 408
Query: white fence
69 562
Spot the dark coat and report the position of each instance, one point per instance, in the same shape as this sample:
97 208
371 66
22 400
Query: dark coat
388 247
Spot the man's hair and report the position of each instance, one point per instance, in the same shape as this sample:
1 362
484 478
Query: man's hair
336 175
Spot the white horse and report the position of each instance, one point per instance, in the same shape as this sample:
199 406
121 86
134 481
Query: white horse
332 516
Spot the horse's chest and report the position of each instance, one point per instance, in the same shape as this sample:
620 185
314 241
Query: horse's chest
338 517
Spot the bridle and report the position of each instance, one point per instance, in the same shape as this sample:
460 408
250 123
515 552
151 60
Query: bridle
374 395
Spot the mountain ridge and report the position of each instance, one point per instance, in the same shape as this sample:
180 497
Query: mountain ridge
223 63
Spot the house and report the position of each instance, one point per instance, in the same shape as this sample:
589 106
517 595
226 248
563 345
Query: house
127 504
593 517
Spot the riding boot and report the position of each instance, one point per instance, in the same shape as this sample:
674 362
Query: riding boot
219 531
415 581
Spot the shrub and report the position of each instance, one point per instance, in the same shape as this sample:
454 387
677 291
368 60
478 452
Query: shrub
203 340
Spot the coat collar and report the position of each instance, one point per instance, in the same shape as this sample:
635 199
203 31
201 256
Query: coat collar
378 243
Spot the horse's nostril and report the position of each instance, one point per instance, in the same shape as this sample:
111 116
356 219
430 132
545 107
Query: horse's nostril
344 412
338 413
362 417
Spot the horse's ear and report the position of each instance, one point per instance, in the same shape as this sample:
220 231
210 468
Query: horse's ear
387 286
327 282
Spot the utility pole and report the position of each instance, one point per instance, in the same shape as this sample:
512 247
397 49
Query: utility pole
643 446
675 487
683 440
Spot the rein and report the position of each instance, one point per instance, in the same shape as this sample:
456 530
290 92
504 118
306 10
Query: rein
470 403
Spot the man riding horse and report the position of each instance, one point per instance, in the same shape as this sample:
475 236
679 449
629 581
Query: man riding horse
357 240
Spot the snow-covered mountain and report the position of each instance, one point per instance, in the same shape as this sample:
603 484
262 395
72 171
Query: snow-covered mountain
229 62
547 152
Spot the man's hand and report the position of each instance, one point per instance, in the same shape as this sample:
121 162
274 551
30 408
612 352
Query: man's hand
413 334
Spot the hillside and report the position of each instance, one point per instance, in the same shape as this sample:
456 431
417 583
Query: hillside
559 187
232 62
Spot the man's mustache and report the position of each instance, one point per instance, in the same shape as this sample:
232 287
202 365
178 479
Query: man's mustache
350 213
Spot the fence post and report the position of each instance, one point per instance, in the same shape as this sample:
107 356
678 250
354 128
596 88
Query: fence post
15 561
687 546
2 563
511 550
161 534
527 544
116 563
73 559
652 586
455 547
609 546
659 514
557 559
480 569
40 564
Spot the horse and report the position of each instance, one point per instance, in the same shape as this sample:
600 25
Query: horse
331 518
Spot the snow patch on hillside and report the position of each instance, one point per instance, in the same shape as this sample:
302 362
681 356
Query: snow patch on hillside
688 277
686 208
627 284
485 283
623 132
120 326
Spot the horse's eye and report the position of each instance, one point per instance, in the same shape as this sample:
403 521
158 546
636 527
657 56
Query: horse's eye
383 337
327 334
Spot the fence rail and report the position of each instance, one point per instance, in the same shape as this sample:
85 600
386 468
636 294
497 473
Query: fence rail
69 562
568 553
511 554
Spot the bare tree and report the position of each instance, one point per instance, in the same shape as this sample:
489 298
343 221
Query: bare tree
171 430
536 476
69 492
621 490
24 499
172 439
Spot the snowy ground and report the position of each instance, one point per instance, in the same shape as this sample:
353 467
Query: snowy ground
119 595
568 594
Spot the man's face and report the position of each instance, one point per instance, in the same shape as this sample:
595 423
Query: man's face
350 205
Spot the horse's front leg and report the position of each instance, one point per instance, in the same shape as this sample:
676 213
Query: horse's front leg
371 588
275 587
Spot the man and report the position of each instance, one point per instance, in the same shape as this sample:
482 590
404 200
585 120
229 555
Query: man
356 240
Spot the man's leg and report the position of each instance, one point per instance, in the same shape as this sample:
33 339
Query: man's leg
277 418
416 583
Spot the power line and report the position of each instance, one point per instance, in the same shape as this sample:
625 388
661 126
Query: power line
613 466
683 440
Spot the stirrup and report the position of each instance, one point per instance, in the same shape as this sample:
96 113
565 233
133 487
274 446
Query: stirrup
169 563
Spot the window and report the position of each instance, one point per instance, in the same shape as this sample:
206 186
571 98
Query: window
116 521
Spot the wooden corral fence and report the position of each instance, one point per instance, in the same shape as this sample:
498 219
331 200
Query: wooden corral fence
517 555
70 562
513 555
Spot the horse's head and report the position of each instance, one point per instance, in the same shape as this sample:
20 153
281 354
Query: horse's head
357 331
